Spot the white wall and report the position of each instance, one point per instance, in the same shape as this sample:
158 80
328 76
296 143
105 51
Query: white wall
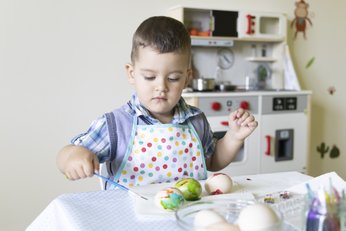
326 42
62 65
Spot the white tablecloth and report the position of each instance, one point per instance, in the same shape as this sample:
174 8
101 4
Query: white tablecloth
115 209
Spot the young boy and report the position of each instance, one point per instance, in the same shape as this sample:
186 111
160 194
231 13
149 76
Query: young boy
156 137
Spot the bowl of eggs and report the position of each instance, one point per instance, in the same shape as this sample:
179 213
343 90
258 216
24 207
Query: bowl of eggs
228 215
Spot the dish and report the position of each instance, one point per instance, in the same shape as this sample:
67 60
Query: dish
227 208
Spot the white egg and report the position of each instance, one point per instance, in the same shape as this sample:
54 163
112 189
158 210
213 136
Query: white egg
257 217
222 226
207 217
218 183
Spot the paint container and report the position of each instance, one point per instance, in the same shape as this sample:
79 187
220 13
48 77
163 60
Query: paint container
321 218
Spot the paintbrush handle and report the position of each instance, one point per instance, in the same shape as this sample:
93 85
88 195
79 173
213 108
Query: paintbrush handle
119 185
112 182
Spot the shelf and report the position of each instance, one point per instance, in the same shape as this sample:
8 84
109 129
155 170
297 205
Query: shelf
218 38
261 59
212 41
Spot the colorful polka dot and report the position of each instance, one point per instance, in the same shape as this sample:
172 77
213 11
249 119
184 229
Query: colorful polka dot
142 165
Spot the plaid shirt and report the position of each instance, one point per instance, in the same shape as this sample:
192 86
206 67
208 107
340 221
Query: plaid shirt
96 139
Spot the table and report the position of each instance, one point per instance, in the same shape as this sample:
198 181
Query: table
116 209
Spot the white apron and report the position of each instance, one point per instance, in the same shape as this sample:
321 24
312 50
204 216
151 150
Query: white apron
162 153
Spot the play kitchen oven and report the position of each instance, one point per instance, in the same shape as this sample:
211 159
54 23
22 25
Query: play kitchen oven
281 141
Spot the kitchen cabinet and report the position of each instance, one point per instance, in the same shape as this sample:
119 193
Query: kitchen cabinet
255 38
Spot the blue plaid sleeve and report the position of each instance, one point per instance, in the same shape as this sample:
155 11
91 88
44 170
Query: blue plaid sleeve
209 141
96 139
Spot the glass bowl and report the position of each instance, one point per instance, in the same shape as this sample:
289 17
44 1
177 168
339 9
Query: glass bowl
228 209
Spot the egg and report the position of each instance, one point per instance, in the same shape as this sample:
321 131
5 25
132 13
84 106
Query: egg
218 183
257 217
222 226
169 199
191 188
205 218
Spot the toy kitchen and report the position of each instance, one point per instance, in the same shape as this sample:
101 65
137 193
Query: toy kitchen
239 59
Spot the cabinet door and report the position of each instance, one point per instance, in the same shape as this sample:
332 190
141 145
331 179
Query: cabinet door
225 23
284 142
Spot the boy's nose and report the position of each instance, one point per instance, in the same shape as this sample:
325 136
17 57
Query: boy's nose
161 86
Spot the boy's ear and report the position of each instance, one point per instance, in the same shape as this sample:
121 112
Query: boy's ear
129 70
189 77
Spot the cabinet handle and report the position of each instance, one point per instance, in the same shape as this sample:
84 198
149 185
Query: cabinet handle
250 23
268 151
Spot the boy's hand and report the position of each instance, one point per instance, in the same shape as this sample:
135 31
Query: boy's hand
241 124
80 163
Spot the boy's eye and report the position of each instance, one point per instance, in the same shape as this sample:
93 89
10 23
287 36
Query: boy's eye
149 77
174 78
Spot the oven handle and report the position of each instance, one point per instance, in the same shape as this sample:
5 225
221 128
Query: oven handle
225 123
268 151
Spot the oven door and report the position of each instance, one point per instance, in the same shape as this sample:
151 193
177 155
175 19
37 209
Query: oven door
247 160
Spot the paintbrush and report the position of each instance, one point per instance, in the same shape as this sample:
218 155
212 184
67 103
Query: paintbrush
122 187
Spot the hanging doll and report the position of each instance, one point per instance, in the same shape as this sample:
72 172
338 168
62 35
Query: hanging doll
301 17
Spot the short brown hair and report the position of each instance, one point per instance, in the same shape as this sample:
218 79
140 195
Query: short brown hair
163 34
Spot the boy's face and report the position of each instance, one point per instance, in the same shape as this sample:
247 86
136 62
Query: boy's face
159 80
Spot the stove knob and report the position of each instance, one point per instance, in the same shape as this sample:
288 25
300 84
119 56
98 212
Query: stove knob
216 106
244 105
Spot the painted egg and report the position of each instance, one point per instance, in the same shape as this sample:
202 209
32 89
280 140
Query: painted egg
191 189
169 199
218 183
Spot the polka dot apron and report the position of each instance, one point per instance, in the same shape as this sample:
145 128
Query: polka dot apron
162 153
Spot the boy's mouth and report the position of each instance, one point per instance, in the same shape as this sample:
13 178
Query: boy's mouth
159 98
